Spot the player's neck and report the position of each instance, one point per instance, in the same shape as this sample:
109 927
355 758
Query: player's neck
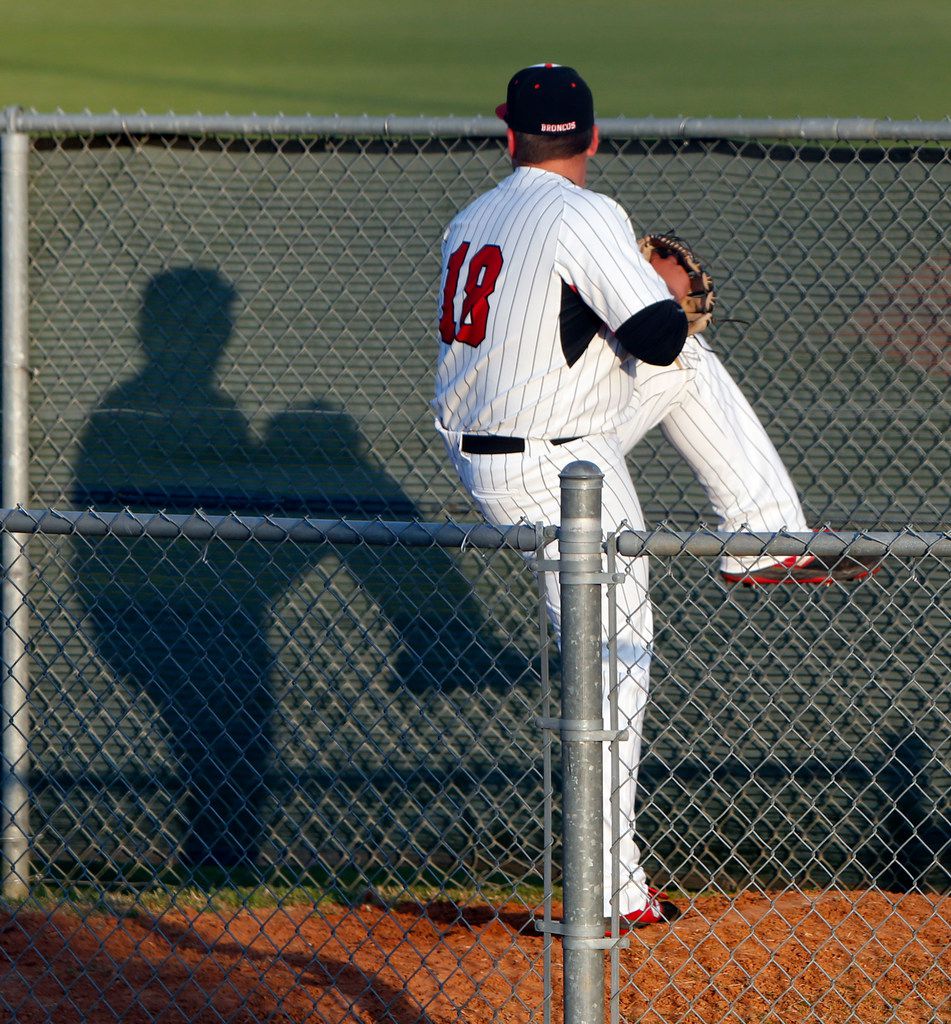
574 168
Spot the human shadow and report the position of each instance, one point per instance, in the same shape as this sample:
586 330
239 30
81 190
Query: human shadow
189 626
184 626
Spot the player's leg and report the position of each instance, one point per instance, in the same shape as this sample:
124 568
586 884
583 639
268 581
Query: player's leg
708 420
620 505
511 488
717 431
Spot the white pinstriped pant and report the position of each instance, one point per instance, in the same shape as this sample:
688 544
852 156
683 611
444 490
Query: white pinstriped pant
704 415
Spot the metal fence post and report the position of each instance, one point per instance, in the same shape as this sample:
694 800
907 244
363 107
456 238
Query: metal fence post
582 737
15 484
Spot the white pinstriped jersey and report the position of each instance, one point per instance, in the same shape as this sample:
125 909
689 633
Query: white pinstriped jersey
512 263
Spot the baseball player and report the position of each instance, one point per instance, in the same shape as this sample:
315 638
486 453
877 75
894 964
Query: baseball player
560 340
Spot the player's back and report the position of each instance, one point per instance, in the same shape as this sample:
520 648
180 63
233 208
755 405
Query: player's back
500 363
530 277
521 217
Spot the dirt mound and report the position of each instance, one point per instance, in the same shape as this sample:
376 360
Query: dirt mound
829 957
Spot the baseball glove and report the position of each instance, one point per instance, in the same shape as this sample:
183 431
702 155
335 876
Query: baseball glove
699 301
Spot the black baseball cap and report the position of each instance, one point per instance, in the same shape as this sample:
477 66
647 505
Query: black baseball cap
547 99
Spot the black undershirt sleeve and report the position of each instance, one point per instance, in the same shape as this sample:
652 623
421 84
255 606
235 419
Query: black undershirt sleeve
578 324
656 334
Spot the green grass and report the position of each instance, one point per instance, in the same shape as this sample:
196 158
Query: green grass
137 891
750 58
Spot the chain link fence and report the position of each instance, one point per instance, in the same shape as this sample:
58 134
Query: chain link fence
236 317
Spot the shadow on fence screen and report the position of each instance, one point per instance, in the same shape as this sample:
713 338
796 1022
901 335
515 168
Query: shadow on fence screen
189 628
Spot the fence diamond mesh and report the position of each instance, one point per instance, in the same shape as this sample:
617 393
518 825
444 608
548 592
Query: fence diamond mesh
341 735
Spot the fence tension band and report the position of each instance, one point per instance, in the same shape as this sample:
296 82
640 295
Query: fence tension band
579 937
581 729
611 579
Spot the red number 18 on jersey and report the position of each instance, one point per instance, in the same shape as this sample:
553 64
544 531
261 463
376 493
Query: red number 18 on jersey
484 269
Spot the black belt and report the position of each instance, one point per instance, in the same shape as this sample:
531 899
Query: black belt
490 444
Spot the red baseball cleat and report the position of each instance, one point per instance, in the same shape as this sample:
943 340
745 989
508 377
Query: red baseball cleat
659 910
809 569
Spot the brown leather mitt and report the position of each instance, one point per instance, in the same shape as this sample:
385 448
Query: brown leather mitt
699 302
